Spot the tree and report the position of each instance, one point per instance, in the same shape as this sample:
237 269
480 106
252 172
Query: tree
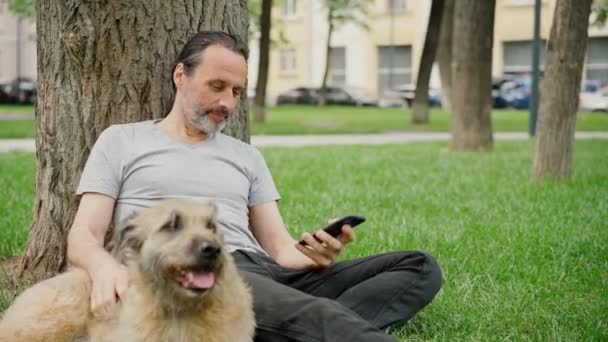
420 110
339 12
600 11
472 75
259 107
101 63
561 84
444 53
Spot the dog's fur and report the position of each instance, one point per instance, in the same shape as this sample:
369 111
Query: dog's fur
162 247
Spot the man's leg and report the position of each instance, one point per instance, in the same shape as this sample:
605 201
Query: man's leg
286 314
386 289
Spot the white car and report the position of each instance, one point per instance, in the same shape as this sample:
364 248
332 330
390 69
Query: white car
594 101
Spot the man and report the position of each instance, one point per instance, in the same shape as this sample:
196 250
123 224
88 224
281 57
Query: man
300 294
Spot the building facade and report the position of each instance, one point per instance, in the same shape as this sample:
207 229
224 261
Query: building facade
17 46
387 53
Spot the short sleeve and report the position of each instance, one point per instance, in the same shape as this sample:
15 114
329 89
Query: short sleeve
102 172
262 187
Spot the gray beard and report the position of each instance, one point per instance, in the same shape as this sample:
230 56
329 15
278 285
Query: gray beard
204 123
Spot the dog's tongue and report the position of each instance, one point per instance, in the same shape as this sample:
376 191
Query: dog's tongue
198 280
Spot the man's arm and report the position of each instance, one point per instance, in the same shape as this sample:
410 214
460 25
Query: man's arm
86 250
86 237
269 229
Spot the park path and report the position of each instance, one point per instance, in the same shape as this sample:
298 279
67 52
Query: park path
28 145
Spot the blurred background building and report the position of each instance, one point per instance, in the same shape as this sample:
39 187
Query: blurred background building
387 54
381 57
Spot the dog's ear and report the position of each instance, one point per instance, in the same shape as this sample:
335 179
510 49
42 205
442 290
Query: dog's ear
175 222
127 241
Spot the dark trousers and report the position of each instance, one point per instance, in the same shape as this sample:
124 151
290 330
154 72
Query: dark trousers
354 300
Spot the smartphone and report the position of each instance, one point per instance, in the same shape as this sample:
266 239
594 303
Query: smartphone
335 228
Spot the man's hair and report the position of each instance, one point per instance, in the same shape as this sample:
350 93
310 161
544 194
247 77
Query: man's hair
191 52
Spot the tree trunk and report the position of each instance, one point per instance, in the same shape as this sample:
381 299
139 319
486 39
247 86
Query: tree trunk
444 54
472 75
560 87
259 107
102 63
330 30
420 111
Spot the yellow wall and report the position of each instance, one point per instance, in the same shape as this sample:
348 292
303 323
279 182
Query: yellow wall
515 22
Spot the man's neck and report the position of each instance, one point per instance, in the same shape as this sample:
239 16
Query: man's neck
176 125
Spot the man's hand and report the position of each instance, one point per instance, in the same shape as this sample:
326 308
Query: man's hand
326 249
110 283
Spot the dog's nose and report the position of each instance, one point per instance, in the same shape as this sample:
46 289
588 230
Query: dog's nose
209 249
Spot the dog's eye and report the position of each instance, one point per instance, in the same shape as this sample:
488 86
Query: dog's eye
211 225
174 223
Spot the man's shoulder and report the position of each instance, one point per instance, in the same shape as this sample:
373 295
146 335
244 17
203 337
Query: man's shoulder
237 145
127 130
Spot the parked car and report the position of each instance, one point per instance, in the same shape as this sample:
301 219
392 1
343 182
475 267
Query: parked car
350 95
595 101
408 92
300 95
517 92
20 91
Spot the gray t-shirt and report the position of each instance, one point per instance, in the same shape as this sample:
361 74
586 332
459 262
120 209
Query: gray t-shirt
139 163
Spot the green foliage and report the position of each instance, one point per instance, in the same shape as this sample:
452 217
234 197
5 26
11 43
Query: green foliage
341 12
23 8
599 8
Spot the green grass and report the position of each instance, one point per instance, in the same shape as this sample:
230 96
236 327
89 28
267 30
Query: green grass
522 260
16 109
15 129
336 119
17 181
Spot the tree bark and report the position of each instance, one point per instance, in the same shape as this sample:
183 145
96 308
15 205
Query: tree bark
444 54
259 108
330 31
420 111
102 63
472 75
560 87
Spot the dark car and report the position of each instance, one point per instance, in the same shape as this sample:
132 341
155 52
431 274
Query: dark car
300 95
352 96
407 92
19 91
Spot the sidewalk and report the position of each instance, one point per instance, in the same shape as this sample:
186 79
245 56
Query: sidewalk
28 145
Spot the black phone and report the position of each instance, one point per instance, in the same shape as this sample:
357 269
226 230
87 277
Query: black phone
335 228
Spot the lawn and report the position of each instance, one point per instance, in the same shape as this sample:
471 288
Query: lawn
336 119
522 260
17 109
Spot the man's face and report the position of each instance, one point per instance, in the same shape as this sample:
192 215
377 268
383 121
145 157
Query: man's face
211 92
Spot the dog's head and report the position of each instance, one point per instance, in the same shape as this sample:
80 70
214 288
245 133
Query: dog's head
176 246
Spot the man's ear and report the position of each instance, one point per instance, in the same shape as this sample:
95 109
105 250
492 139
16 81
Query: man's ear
127 240
178 74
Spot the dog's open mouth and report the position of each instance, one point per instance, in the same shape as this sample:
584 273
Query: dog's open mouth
198 280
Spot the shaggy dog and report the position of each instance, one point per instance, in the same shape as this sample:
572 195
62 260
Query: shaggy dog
183 286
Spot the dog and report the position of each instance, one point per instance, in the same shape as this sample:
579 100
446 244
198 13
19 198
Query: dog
183 286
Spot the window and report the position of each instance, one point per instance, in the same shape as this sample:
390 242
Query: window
518 57
288 60
394 66
597 59
337 64
395 6
288 8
